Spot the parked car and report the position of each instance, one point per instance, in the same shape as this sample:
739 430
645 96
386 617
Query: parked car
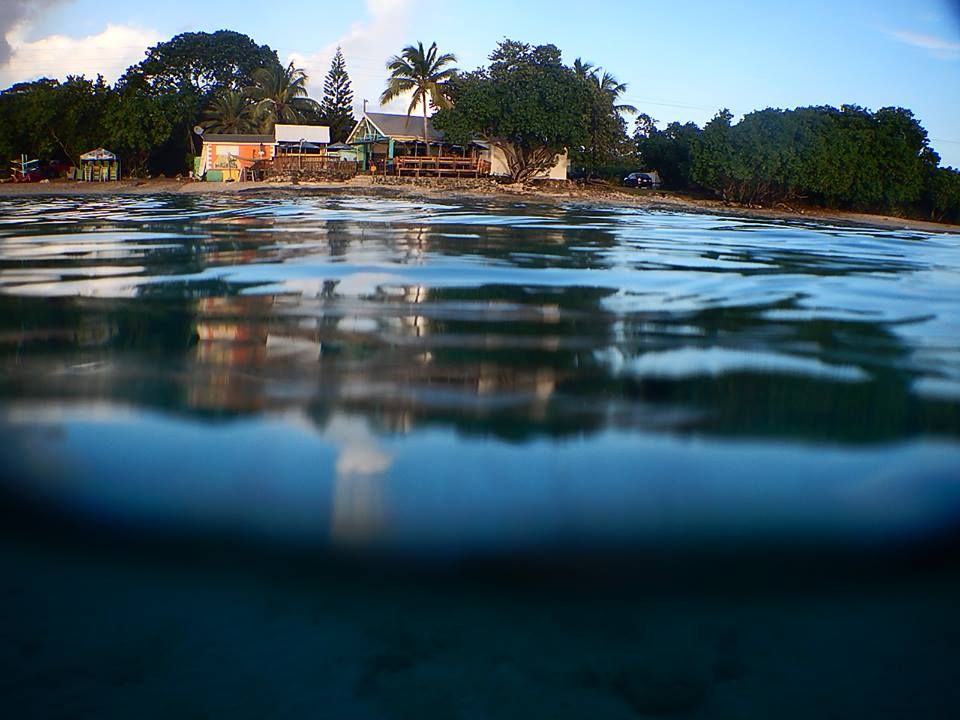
639 180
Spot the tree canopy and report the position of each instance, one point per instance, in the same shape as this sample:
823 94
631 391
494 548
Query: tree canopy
280 94
50 119
526 102
199 63
845 158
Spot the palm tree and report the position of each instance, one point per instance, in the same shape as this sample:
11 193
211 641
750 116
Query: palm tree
605 123
422 72
281 94
605 82
613 89
584 70
231 113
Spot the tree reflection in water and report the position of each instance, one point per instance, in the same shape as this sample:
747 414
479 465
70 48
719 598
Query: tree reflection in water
635 463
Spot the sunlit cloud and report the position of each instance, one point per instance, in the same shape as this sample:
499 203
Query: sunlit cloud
107 53
366 47
939 47
13 14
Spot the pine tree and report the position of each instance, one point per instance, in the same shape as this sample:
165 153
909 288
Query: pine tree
337 104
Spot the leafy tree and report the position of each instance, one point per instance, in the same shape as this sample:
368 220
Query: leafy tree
765 157
26 111
281 95
904 155
422 73
231 112
139 126
644 127
199 63
712 154
53 120
667 151
943 195
526 103
336 108
78 125
184 75
847 158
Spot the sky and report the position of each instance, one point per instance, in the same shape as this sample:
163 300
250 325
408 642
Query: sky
681 61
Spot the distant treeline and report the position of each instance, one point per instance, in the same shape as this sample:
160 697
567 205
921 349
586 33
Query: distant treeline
846 158
221 80
526 101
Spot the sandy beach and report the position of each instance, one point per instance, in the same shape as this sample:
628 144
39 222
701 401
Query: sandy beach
475 190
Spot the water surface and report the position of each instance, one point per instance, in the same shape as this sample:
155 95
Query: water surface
450 378
453 382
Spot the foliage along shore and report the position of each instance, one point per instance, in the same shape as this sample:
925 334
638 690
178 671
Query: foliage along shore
548 193
525 101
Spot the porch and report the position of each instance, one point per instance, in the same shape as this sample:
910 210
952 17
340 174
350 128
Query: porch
440 166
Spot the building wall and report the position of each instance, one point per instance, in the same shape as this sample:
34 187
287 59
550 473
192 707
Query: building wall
217 156
499 166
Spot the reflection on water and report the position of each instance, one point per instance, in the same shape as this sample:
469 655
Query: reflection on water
422 326
480 382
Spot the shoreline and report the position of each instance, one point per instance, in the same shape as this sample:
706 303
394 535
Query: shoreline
471 190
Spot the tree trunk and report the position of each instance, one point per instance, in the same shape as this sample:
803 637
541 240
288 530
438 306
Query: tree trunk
527 163
426 140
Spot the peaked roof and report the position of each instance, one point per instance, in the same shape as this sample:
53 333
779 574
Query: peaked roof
395 126
98 154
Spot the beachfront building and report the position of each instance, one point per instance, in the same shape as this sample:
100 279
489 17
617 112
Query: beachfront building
232 157
381 137
394 145
99 165
238 157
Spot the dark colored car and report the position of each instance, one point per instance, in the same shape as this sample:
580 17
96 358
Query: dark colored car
638 180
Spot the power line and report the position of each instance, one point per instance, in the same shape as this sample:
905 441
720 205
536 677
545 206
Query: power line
641 101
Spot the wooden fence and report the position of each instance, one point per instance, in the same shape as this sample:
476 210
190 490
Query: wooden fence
306 165
442 166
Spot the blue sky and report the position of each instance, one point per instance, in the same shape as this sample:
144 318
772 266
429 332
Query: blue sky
681 61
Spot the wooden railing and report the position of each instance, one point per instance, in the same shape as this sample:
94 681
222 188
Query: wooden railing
304 165
444 165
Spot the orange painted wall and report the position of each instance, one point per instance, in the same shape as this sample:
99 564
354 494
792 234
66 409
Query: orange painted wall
245 154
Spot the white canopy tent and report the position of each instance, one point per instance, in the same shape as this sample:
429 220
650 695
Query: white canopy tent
99 165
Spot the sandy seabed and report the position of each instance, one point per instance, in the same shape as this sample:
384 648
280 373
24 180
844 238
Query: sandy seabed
482 190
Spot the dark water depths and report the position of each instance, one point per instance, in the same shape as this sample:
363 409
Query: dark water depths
386 383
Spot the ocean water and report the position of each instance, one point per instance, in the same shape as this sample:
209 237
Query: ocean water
292 455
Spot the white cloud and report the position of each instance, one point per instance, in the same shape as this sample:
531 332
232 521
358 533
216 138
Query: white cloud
107 53
366 47
15 12
939 47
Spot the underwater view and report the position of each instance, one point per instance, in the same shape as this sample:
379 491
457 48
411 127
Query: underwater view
313 455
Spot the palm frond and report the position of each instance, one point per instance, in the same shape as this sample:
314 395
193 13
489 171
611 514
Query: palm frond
421 71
